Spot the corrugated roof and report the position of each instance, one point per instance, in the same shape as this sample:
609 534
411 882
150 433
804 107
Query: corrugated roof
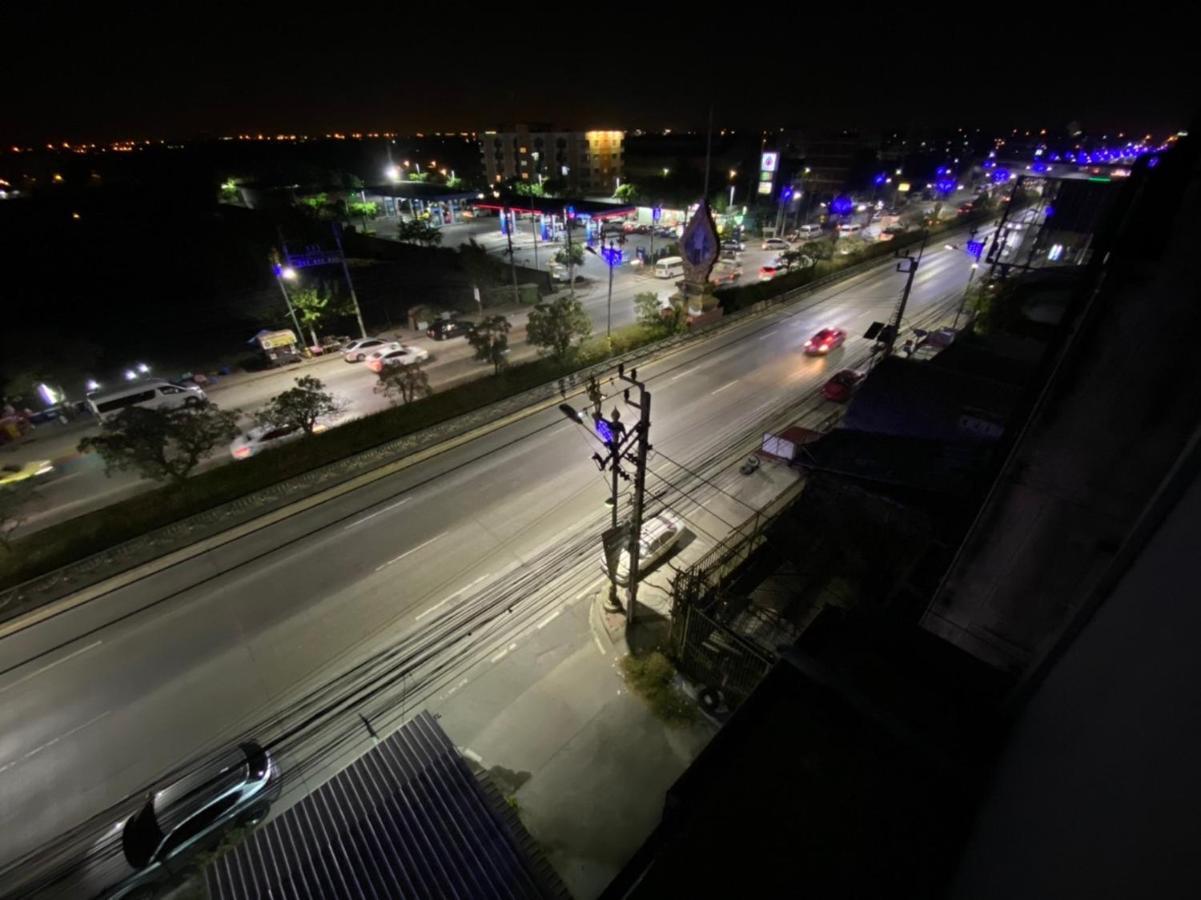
407 819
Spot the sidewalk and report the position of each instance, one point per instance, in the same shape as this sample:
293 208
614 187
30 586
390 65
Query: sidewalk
585 761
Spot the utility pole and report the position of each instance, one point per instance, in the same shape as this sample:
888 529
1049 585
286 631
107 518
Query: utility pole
908 264
642 433
963 301
358 313
622 446
570 256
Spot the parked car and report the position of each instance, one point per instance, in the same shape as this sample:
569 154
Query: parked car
659 535
825 340
441 329
775 243
192 815
14 472
396 355
357 351
840 387
264 437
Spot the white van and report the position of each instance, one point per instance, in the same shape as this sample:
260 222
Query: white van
669 267
149 394
848 230
809 232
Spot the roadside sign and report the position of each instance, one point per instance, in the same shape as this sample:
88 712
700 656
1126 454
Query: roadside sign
656 213
873 330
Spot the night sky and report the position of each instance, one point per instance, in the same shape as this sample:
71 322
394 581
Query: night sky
114 71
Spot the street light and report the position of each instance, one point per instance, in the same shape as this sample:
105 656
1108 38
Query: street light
92 385
393 173
143 368
288 273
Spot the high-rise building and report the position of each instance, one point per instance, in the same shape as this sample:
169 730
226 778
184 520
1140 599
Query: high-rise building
589 162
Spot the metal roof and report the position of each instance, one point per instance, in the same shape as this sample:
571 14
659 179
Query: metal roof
407 819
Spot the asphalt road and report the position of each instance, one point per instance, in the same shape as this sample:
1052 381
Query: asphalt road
98 701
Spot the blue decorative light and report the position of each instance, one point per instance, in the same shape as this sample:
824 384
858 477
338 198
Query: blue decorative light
975 248
656 213
1000 175
1039 166
571 212
612 255
1152 162
604 431
1049 211
945 185
841 205
990 164
879 179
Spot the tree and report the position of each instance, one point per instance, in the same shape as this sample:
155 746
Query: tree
406 382
490 338
627 193
161 444
418 232
797 259
822 248
312 308
363 210
14 500
301 406
419 176
555 325
572 255
480 268
648 310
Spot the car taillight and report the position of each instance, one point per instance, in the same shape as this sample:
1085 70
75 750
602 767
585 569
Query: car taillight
242 453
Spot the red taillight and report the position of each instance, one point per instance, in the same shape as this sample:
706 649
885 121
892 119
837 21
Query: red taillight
242 453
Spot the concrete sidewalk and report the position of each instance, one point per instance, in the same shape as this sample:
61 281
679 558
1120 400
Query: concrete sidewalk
585 761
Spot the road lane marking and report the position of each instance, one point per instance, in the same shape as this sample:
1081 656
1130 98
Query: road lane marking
687 371
448 598
503 653
407 552
50 743
770 334
379 513
549 619
57 662
599 645
723 387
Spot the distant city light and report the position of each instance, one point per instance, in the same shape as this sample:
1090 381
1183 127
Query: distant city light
130 374
143 368
393 173
92 384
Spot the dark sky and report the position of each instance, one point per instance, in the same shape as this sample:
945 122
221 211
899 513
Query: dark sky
178 70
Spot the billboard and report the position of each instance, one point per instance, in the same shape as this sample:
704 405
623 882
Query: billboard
768 162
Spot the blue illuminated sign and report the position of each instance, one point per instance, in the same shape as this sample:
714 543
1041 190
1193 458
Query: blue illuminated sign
604 431
975 248
656 213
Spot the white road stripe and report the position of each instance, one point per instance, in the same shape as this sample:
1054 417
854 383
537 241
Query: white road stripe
599 645
549 619
448 598
36 750
677 377
50 666
379 512
770 334
723 387
407 552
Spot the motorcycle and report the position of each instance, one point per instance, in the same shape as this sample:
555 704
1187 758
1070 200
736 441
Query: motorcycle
749 465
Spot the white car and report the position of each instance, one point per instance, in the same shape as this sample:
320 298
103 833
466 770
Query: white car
659 535
256 440
775 243
396 355
357 351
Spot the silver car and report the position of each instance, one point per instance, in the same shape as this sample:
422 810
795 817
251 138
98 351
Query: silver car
193 814
357 351
660 534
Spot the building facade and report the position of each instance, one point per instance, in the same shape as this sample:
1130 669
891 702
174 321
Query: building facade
588 162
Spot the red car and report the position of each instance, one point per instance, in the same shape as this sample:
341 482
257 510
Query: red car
842 385
825 340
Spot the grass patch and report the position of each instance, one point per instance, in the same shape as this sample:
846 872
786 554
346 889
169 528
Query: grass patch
651 677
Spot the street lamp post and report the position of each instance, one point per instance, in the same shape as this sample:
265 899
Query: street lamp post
966 290
282 274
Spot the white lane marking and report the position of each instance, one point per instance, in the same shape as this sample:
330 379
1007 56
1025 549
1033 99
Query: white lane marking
549 619
66 734
723 387
688 371
44 668
503 653
472 755
379 512
407 552
448 598
599 645
770 334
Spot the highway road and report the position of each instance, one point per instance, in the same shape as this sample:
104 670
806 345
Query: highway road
97 702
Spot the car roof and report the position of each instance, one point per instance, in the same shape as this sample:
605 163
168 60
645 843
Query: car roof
182 799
